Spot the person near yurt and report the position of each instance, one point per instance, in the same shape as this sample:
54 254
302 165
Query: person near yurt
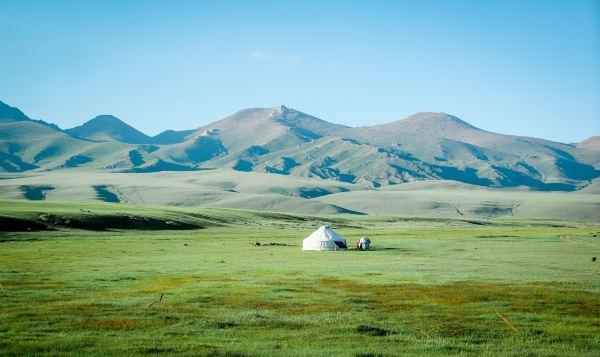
324 238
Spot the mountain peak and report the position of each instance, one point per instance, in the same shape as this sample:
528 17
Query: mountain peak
109 128
436 118
280 110
105 119
423 127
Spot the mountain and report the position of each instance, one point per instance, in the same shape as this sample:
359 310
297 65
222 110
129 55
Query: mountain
247 134
481 157
591 143
420 126
271 128
285 141
588 151
8 113
109 128
433 133
27 144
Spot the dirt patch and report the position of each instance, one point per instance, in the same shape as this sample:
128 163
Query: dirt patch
111 324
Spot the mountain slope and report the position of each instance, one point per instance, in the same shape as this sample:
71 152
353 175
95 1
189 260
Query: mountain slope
171 137
424 131
284 141
253 131
109 128
27 144
588 151
8 113
591 143
500 160
421 126
271 128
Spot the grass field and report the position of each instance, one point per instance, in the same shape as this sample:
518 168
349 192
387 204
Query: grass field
429 286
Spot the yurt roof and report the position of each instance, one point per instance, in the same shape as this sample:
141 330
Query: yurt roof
325 233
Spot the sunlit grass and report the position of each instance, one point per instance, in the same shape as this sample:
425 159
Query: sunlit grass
428 286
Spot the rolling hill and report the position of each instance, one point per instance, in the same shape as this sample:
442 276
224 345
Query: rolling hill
225 188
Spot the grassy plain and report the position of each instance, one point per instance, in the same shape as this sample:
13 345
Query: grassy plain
429 286
282 193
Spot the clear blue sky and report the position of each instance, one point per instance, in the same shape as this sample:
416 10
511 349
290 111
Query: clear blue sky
518 67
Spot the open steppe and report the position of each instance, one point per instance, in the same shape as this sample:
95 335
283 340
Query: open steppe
106 278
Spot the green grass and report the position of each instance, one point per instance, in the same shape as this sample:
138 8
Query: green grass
429 286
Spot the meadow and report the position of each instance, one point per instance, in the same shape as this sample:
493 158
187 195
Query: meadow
105 279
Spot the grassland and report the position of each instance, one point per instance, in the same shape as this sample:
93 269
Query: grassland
282 193
429 286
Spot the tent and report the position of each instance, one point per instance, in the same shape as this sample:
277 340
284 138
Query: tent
324 238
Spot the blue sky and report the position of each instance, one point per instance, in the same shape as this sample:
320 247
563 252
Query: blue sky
517 67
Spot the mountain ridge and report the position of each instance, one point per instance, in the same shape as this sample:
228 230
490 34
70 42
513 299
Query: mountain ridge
11 113
282 140
592 142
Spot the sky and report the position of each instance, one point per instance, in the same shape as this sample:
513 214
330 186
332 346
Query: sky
516 67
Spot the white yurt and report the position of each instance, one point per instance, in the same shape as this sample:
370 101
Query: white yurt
324 238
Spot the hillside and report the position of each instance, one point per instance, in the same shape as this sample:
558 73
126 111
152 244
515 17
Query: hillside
483 157
591 143
588 151
171 137
247 134
8 113
27 144
271 128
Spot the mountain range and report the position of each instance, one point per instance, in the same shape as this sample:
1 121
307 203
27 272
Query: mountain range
285 141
